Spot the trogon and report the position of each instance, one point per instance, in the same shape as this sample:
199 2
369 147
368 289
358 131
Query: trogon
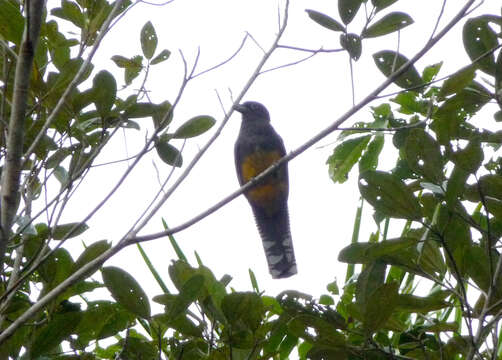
258 146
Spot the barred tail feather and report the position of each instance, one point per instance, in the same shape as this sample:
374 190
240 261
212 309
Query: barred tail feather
276 237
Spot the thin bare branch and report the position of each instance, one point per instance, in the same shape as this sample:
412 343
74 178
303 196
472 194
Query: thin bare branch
320 50
224 61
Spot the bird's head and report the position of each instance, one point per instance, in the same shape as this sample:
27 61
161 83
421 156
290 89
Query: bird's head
253 111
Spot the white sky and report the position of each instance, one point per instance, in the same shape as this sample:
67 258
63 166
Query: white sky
302 100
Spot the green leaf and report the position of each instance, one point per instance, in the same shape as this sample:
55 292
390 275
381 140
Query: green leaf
424 156
325 20
478 267
479 39
367 252
132 66
163 56
287 345
148 40
378 311
71 12
368 281
326 300
60 232
418 304
181 324
60 327
140 110
369 160
386 193
105 91
389 23
389 61
11 22
382 4
126 290
194 127
455 110
56 269
351 43
191 290
123 62
159 117
471 157
457 81
91 252
411 103
431 71
498 83
348 9
102 319
245 307
345 156
56 158
168 153
69 71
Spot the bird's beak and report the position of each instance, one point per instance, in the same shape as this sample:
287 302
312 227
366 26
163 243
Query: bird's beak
240 108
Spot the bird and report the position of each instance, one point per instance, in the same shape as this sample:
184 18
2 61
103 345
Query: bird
258 146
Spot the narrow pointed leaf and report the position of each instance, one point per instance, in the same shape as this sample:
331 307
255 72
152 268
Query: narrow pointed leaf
325 20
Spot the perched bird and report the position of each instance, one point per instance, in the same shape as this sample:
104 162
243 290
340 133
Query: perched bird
257 147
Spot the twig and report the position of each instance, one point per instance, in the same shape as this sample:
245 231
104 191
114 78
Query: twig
224 61
320 50
288 64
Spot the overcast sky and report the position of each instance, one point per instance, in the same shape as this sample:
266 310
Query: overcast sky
301 99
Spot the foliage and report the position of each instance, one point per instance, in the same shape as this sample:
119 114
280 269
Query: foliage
445 187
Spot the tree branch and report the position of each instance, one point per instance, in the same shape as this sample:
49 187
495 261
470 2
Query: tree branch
12 167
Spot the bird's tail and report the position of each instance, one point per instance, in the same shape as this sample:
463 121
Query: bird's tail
276 237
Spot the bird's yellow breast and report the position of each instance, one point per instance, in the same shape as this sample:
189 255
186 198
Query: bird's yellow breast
266 193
